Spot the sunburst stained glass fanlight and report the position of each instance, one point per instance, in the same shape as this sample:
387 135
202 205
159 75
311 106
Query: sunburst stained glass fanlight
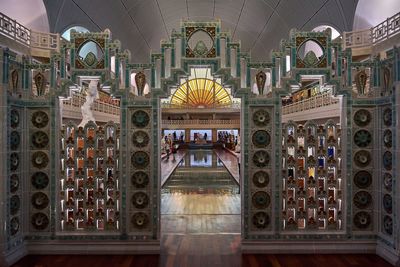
201 93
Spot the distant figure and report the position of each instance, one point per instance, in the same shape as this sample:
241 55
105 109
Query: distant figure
238 159
170 145
167 146
174 134
237 147
205 136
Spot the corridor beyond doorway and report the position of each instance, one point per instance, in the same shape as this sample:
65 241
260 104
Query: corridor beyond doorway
200 210
200 197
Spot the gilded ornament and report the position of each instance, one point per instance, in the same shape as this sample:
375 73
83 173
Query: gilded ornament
261 179
39 200
388 224
140 220
140 79
40 82
361 82
362 199
14 225
387 203
362 117
261 220
39 221
140 200
40 119
261 200
261 78
362 158
261 158
362 220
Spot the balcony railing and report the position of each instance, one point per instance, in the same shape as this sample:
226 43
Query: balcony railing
311 103
76 101
200 122
30 38
44 40
234 105
374 35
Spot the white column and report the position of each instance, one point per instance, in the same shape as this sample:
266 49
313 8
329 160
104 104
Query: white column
233 62
167 62
157 82
178 55
223 52
243 72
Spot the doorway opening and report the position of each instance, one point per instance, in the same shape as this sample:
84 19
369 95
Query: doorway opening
200 152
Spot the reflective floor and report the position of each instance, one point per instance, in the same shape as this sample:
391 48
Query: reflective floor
200 197
201 172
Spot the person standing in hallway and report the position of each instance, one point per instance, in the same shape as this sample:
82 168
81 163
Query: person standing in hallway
166 146
238 159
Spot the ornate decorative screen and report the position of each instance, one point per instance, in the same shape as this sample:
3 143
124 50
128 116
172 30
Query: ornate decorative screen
312 181
90 190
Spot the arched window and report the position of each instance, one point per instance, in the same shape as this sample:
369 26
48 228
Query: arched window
335 33
201 93
67 33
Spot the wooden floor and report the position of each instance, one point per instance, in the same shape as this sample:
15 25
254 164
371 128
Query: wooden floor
353 260
200 230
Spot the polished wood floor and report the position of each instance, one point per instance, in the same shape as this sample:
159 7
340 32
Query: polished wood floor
352 260
200 230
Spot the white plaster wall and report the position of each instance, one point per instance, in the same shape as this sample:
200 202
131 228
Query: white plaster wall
370 13
31 14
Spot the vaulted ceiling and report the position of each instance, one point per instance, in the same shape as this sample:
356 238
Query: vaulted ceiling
258 24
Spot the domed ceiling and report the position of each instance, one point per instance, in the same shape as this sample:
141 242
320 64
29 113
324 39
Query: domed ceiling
258 24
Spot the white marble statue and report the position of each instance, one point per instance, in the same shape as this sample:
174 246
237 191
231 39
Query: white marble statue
91 95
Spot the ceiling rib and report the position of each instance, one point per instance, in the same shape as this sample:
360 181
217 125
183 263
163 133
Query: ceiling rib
339 4
134 23
265 25
316 12
58 14
240 14
87 15
162 17
214 9
187 9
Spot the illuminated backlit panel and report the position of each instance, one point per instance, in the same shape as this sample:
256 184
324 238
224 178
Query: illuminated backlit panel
312 177
90 190
200 93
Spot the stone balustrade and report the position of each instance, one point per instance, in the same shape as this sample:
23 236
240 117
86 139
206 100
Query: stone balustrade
370 37
317 101
27 37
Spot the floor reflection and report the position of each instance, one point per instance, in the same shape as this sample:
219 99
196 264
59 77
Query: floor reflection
200 172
